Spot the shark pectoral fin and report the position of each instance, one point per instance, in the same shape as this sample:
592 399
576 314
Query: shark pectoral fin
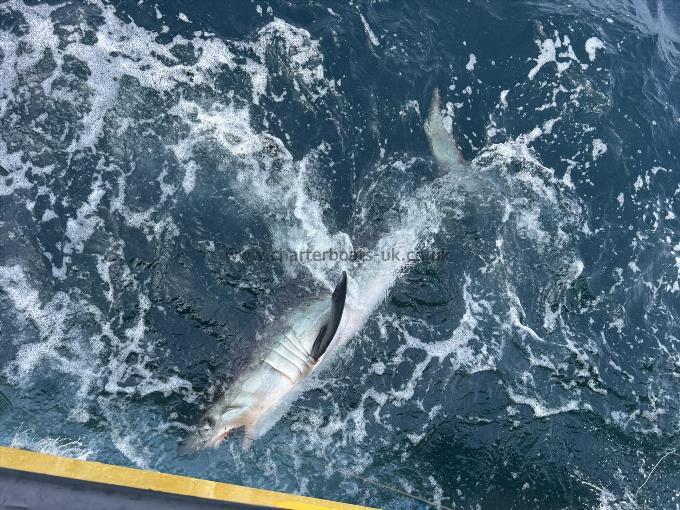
328 330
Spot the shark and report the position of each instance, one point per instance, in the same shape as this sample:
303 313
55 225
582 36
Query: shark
301 342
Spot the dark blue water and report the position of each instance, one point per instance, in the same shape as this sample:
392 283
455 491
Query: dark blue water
146 149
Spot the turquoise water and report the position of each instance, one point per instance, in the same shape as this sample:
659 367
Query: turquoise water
154 158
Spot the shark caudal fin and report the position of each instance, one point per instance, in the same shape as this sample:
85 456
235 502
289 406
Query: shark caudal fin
443 147
328 330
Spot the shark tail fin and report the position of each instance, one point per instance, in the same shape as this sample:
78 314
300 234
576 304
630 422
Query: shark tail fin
442 145
328 330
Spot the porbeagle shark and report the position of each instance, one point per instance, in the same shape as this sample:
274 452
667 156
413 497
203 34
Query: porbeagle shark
299 344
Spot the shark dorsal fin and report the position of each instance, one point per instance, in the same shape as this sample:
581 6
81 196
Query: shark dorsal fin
328 330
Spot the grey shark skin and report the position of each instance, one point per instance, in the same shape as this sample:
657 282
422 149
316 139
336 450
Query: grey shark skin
308 335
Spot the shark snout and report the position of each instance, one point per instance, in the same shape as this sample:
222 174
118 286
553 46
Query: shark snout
204 438
211 430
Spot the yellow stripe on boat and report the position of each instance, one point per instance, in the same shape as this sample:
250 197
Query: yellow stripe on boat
96 472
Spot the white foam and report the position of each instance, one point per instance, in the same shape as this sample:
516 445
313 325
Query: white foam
81 228
548 53
599 148
638 184
50 320
456 348
542 410
104 270
303 58
59 446
48 215
592 45
16 168
504 96
470 66
189 181
371 36
64 347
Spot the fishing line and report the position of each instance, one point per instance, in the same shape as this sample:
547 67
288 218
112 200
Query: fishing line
381 485
669 452
394 489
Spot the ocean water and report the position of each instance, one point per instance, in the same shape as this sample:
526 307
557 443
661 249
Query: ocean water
156 157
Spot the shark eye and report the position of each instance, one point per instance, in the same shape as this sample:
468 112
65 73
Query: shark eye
208 422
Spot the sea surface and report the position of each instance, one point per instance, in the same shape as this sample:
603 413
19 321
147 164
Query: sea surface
160 161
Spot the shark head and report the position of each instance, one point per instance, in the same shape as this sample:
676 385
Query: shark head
291 354
213 427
